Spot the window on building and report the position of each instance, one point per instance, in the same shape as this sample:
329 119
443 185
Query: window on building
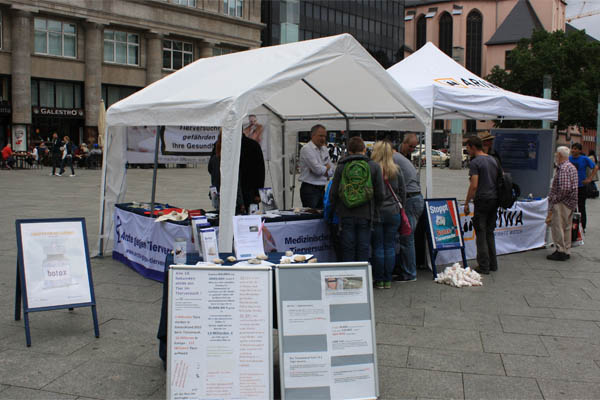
55 94
221 51
421 32
471 126
446 33
507 60
176 54
55 38
474 42
121 47
234 8
187 3
438 125
112 93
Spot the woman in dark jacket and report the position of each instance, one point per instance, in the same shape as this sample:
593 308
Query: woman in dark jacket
386 227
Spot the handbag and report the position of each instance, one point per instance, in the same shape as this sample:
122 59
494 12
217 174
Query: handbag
405 228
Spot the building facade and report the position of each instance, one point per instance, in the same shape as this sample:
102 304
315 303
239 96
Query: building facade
377 24
478 34
59 58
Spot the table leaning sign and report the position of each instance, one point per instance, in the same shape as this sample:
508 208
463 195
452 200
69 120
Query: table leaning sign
53 268
220 333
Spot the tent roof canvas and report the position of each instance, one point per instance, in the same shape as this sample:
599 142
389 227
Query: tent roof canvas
284 78
436 81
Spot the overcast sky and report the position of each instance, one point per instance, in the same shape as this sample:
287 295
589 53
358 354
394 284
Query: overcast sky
591 24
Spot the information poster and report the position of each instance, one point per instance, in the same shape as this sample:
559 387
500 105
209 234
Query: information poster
220 323
178 144
442 215
55 263
326 332
248 236
518 150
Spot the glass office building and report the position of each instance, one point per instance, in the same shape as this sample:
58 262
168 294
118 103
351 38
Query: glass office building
377 24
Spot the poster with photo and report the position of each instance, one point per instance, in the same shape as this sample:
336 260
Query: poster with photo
443 220
54 263
267 198
344 286
256 127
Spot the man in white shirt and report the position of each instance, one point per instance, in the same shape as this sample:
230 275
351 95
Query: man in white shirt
315 168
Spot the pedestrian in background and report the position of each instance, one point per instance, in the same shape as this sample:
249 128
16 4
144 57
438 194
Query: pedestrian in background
562 201
56 153
483 176
67 156
582 163
386 228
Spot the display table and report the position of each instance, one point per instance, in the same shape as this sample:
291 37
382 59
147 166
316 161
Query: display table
191 259
142 244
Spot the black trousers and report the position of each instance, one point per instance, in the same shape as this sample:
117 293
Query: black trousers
581 197
312 195
484 223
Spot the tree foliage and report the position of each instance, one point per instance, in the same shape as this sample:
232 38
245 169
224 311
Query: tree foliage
570 59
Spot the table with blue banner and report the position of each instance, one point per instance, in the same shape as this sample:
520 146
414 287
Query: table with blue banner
192 259
142 244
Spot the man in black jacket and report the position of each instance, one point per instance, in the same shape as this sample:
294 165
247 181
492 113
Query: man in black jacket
252 171
356 222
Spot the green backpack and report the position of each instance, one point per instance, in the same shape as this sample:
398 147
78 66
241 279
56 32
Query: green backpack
356 187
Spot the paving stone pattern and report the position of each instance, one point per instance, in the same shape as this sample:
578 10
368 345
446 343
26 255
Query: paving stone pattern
531 332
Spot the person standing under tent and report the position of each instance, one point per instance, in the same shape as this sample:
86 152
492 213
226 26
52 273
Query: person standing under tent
582 163
413 207
56 153
562 201
483 176
356 195
252 171
315 168
385 230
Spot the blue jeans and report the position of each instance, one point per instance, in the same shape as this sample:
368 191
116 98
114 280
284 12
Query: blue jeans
408 261
355 238
384 251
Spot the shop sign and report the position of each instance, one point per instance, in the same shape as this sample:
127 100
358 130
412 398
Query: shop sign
5 108
59 112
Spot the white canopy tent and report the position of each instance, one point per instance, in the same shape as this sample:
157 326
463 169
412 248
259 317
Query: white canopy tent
449 91
333 80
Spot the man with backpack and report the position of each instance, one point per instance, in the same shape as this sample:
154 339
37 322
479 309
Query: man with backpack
483 189
356 194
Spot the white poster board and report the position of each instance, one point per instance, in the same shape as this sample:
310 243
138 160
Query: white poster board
55 263
248 236
326 331
220 333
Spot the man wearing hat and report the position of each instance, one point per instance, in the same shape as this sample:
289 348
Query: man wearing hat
488 145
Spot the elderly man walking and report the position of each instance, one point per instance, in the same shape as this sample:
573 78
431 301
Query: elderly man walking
562 201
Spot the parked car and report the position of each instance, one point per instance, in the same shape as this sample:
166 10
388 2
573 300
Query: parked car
439 158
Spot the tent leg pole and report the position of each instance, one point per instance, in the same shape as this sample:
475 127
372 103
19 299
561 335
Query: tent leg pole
160 132
347 135
101 246
283 169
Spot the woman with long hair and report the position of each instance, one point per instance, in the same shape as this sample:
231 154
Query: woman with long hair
384 234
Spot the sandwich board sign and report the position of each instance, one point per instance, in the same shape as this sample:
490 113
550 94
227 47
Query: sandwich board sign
444 231
53 268
326 320
219 340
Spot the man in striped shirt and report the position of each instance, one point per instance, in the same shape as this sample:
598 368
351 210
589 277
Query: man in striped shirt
562 201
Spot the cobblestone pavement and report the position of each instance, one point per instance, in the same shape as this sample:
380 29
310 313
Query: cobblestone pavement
532 331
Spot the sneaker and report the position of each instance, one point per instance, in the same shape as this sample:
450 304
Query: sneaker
52 174
387 285
379 285
403 280
481 271
59 174
72 175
